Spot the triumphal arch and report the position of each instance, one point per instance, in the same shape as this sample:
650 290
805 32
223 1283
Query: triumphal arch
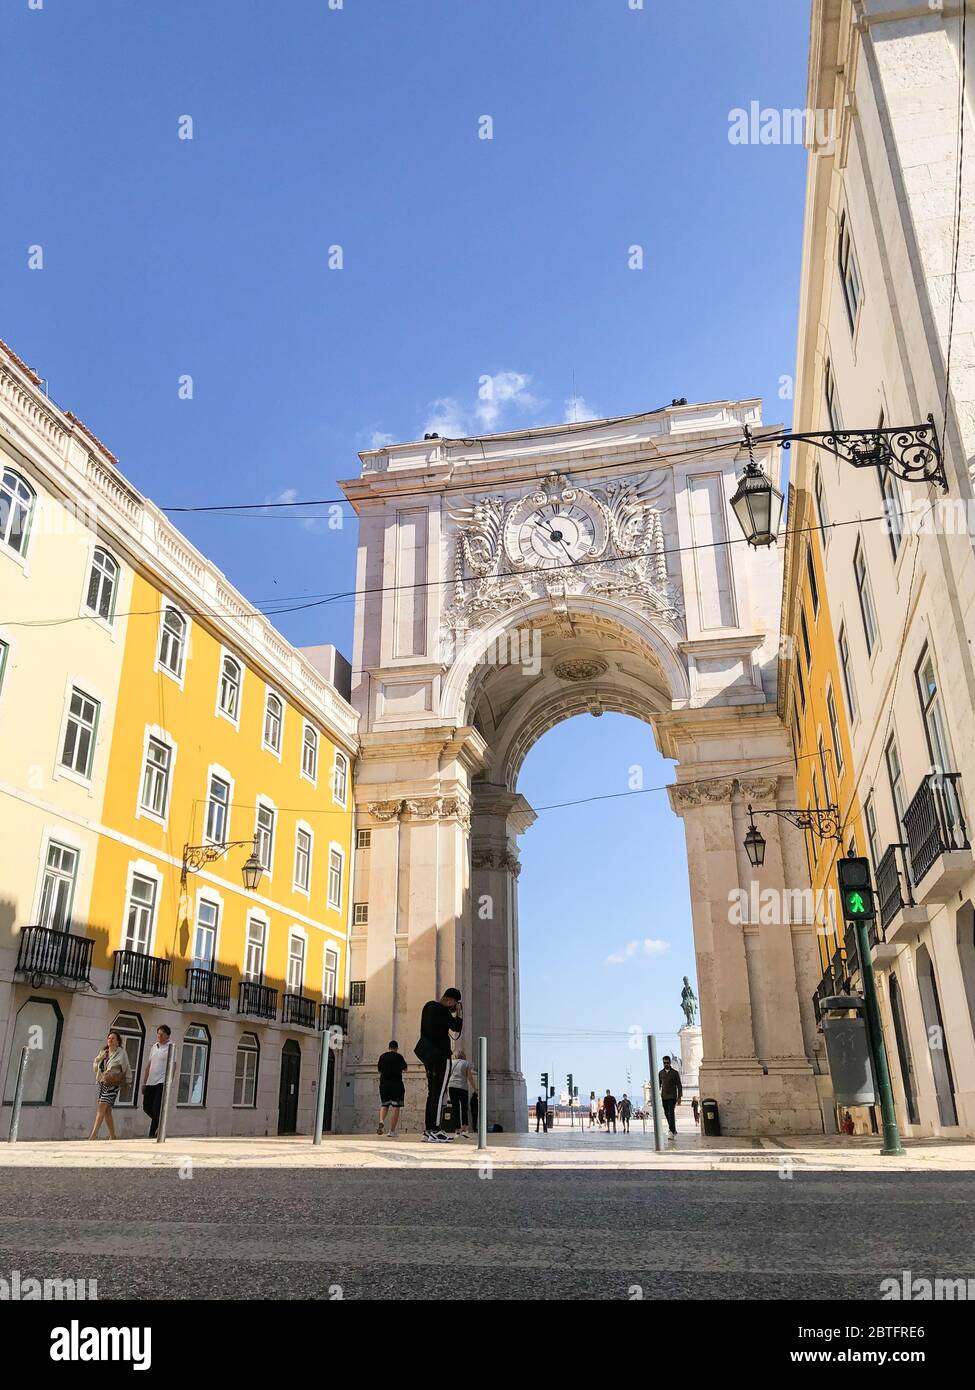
511 581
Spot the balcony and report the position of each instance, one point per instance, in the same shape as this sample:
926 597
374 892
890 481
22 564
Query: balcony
298 1010
939 852
836 980
58 954
900 918
207 988
331 1016
260 1001
136 973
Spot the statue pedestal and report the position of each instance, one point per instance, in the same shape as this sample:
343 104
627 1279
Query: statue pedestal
691 1057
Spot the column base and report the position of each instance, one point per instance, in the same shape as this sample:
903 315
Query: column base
751 1101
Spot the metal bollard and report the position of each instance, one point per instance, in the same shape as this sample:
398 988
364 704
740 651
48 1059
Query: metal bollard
322 1082
167 1089
658 1110
482 1093
18 1097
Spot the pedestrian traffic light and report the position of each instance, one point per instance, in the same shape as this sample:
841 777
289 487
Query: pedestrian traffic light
544 1083
856 890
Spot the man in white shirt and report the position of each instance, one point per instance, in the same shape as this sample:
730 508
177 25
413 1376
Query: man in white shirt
154 1077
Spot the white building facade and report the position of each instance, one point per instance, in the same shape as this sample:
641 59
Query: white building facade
879 294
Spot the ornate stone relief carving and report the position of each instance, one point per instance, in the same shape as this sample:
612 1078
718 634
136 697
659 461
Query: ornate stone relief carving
486 856
423 808
755 789
612 535
384 810
684 795
581 668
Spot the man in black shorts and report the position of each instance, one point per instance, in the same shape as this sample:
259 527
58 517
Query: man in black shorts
439 1019
392 1092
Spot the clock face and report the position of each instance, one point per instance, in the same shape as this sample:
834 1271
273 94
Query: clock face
555 534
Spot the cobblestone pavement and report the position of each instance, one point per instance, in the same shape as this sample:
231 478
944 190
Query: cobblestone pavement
746 1231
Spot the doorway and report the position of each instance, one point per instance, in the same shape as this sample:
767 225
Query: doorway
288 1089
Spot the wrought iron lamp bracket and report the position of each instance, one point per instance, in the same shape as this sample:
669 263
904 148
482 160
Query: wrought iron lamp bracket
196 857
911 452
823 822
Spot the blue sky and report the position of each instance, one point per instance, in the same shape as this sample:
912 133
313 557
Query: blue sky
462 258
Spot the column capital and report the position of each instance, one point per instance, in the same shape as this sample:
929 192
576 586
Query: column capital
712 791
758 789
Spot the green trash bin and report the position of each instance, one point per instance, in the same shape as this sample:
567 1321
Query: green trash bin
711 1119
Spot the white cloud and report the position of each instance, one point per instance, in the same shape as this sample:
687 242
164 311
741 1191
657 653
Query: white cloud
649 946
576 409
495 393
447 419
378 440
307 523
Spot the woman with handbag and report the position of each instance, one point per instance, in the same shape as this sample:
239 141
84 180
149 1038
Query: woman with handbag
112 1070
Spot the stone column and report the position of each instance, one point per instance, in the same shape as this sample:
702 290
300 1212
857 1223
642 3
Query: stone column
499 817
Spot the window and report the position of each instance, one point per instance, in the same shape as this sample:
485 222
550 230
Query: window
302 860
79 733
829 392
932 713
890 489
849 272
834 730
360 914
273 719
132 1031
340 777
218 810
57 887
155 777
846 666
363 839
296 963
17 500
102 584
309 754
331 976
254 955
228 696
205 936
357 992
822 513
335 878
827 779
805 639
193 1066
895 777
867 611
264 835
245 1071
172 642
800 686
140 915
38 1027
811 574
870 817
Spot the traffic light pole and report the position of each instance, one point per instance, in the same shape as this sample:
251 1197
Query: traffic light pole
892 1138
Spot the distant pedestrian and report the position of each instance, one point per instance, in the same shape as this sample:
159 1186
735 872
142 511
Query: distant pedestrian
625 1111
472 1094
113 1070
593 1110
439 1019
696 1109
609 1110
154 1077
847 1126
541 1110
392 1092
458 1088
671 1092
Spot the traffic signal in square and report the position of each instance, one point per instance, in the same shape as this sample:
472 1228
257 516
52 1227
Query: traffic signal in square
544 1083
856 890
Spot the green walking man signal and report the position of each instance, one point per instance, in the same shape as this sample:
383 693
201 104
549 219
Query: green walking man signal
856 890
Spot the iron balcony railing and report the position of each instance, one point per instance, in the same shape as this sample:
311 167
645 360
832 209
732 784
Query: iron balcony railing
934 822
836 979
137 973
63 954
261 1001
893 888
331 1016
298 1010
208 988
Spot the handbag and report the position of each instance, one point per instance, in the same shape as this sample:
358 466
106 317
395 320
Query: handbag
113 1077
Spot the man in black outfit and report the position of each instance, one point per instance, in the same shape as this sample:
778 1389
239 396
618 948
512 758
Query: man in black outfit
439 1019
671 1093
541 1115
392 1092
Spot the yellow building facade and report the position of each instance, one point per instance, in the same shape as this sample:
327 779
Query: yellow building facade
815 694
157 735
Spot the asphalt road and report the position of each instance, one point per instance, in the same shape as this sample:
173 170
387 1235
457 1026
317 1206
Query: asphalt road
273 1233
